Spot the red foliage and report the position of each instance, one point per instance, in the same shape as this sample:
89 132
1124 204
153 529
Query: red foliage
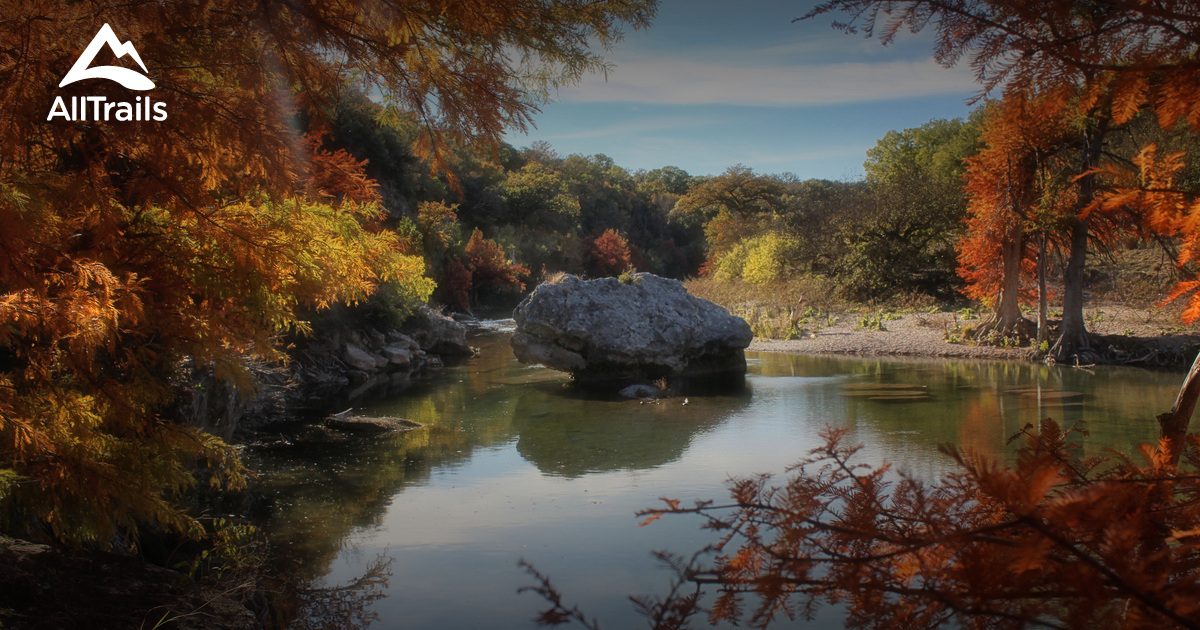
337 174
456 285
607 255
490 268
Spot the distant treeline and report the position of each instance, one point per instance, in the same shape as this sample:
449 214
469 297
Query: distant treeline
504 219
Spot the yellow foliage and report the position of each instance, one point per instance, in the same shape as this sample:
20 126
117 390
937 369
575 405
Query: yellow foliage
765 260
128 248
758 260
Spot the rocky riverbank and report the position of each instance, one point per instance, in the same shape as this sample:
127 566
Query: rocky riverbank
331 369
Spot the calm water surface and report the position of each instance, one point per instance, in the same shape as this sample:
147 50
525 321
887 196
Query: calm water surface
514 464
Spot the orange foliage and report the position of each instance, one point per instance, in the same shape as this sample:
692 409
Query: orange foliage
1149 190
1005 185
1057 540
337 175
607 255
128 248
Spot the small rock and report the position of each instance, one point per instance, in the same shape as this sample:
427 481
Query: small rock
398 355
397 338
369 426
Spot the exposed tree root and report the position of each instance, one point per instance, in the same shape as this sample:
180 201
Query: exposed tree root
998 331
1074 349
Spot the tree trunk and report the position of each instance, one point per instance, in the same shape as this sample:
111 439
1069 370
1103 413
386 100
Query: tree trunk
1073 336
1007 321
1043 323
1074 342
1173 425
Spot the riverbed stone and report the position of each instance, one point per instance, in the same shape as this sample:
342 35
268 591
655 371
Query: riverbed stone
359 359
398 355
649 328
369 425
438 334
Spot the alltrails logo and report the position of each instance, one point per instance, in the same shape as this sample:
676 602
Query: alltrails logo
143 108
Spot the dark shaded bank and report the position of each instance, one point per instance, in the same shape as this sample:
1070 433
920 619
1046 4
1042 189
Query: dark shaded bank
53 588
344 361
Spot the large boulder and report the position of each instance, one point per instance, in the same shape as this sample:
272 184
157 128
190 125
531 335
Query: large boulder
647 329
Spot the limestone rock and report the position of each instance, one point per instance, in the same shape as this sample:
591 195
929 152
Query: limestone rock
346 421
607 330
438 334
397 338
359 359
398 355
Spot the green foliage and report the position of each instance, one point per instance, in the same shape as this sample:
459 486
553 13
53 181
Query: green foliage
232 551
8 479
873 321
537 195
905 239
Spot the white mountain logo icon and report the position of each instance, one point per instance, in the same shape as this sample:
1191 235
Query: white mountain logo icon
131 79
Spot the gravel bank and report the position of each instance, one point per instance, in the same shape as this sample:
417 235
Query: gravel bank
924 334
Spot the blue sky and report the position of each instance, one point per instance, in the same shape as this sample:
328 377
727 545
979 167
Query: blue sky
715 83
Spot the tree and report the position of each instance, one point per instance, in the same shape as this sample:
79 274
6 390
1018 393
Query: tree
904 239
1009 187
1100 59
130 247
538 196
732 206
490 268
608 255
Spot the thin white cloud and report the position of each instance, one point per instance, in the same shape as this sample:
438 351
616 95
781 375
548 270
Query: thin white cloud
675 81
637 126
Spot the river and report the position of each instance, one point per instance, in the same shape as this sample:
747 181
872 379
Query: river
513 463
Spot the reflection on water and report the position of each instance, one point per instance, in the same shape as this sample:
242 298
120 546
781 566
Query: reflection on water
513 463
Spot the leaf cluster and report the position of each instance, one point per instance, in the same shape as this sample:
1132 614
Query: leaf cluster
128 249
1056 540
